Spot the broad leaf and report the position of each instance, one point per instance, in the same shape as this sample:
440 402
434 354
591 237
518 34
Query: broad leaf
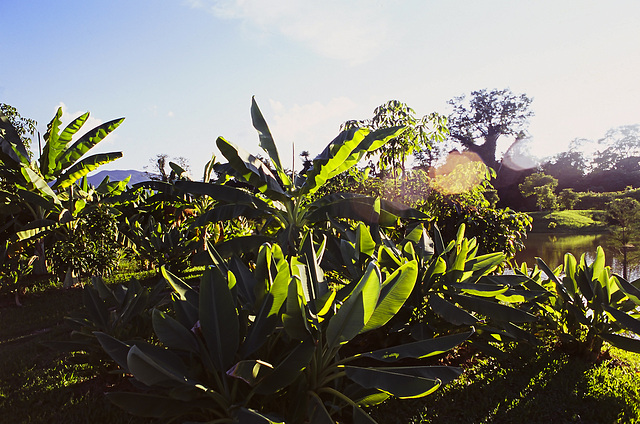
494 310
84 143
395 291
218 319
356 311
399 385
173 334
266 141
450 312
418 350
84 167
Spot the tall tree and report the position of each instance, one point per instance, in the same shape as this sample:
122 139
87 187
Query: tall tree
25 127
542 187
420 133
478 122
568 167
618 144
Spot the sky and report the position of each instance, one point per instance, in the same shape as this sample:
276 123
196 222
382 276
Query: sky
183 72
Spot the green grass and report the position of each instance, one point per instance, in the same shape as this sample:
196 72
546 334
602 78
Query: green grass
569 221
536 386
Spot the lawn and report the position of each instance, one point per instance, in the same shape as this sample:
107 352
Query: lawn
568 221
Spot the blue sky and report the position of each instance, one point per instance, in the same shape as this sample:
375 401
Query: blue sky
183 72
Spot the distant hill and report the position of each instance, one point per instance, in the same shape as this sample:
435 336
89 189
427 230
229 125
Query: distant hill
118 175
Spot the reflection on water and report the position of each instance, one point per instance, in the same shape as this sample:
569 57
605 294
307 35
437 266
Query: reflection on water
552 247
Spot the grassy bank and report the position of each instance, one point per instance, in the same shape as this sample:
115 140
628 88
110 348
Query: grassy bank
569 221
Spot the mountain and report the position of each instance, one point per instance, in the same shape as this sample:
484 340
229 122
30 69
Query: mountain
118 175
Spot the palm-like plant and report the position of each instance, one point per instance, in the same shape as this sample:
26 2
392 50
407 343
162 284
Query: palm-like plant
284 202
45 189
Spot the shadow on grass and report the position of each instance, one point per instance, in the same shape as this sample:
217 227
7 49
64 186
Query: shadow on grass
547 387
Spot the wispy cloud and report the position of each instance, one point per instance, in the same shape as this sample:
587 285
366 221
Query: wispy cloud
355 31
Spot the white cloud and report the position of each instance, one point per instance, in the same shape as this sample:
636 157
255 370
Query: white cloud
355 31
311 126
170 114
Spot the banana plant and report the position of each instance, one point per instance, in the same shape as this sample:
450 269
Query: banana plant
272 345
590 305
284 202
122 311
457 287
45 189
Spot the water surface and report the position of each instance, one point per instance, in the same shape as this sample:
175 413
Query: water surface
552 248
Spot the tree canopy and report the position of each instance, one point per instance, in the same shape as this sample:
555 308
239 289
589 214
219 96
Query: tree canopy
477 122
420 133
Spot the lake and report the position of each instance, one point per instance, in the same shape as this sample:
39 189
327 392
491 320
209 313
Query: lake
552 247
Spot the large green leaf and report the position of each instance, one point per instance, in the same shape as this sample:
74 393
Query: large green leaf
241 245
52 148
395 291
629 289
184 291
402 386
36 228
350 206
450 312
266 141
96 308
218 319
621 342
39 184
435 372
268 316
372 141
84 143
115 348
560 288
494 310
173 334
228 212
223 193
67 134
332 158
479 289
419 349
84 167
625 320
153 365
251 169
288 370
356 311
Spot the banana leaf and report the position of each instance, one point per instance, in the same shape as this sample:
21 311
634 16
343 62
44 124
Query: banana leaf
173 334
402 386
218 319
252 169
267 143
84 144
356 311
395 291
493 310
450 312
52 148
84 167
418 350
